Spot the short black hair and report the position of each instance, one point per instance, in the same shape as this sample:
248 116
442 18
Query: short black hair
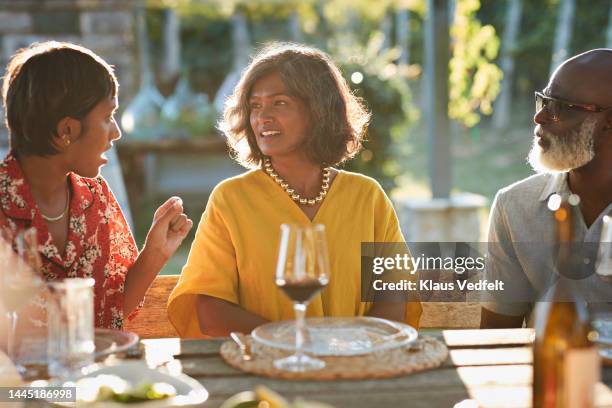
47 82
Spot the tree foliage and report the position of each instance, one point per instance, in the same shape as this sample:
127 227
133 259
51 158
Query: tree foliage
383 86
533 51
474 78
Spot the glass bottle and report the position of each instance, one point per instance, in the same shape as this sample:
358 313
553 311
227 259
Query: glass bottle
565 361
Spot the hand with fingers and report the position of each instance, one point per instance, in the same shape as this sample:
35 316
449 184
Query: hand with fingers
170 226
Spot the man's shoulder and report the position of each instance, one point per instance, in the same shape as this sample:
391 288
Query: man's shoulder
529 188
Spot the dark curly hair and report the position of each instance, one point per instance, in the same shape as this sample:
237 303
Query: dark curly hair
47 82
339 118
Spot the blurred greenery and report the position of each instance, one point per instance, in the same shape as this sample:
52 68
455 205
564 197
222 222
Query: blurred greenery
202 36
534 48
474 80
352 31
346 29
383 86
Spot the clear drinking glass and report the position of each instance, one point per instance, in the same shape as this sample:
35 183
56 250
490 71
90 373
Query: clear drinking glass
20 281
604 256
70 342
603 267
301 272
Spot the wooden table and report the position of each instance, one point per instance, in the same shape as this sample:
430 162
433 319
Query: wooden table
492 367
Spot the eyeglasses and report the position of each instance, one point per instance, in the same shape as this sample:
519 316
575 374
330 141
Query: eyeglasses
557 108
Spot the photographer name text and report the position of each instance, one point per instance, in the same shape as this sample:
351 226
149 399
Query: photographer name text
430 285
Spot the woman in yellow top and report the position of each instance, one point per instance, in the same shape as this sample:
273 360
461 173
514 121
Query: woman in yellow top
290 119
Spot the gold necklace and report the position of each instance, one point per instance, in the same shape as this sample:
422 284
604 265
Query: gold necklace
59 217
295 196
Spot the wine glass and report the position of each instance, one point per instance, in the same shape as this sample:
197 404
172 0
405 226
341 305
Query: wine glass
19 279
301 272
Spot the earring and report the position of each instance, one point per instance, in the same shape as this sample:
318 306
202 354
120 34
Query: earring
66 140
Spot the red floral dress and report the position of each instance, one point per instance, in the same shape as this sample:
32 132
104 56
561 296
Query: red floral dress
99 243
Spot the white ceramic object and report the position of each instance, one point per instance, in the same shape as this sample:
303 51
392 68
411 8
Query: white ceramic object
189 391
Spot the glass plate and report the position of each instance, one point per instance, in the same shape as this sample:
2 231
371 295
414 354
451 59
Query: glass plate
338 336
113 341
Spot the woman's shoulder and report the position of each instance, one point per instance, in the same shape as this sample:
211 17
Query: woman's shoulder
358 181
239 181
243 183
92 190
9 166
94 184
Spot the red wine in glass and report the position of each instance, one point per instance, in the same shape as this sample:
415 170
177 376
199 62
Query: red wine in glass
301 291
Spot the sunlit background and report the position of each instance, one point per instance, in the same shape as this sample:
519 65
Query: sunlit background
178 60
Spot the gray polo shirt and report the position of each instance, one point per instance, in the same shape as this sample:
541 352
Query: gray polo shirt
521 238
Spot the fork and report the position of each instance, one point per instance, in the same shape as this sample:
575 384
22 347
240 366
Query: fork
242 342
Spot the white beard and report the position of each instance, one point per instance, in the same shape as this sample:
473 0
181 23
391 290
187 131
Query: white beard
566 152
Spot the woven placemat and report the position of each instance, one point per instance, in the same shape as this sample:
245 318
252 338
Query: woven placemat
427 352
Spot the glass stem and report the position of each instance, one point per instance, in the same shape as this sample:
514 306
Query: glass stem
300 326
11 349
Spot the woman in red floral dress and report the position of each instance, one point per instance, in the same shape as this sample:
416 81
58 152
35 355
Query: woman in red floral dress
60 100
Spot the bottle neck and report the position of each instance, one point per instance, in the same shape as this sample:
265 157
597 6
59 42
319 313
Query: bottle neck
563 285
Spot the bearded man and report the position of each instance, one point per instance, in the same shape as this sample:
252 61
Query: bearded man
572 153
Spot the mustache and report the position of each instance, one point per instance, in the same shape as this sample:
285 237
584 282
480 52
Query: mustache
545 134
563 152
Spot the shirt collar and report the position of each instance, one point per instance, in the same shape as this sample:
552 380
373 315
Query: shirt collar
82 195
556 184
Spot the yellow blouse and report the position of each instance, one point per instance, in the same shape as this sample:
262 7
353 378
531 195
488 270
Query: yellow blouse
233 256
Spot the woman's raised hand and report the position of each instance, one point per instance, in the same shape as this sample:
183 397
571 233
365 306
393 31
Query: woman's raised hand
170 226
